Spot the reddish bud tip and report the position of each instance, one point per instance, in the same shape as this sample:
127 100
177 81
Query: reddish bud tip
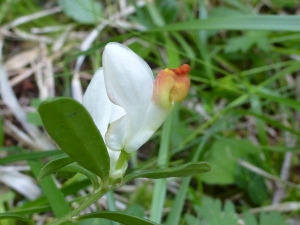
182 70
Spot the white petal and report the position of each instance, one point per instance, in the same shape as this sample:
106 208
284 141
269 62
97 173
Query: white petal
103 112
154 118
129 84
117 113
117 134
128 78
98 104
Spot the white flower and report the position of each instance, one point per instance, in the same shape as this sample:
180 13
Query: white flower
125 102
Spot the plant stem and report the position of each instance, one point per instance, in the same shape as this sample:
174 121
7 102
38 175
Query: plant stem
69 217
111 204
160 186
124 156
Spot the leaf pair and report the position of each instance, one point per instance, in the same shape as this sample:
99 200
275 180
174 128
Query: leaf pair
185 170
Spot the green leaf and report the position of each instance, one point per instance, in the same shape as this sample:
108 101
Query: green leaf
223 11
191 220
276 97
250 38
54 165
74 167
247 22
20 156
34 118
136 210
211 212
267 119
55 197
70 125
168 9
285 4
249 218
273 218
222 155
6 197
82 11
15 217
252 182
123 218
185 170
258 190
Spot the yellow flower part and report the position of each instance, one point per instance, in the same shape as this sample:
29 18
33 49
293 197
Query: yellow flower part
171 85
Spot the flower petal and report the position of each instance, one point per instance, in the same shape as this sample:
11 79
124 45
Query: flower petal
117 113
103 111
97 103
163 85
170 85
117 133
154 118
129 84
128 78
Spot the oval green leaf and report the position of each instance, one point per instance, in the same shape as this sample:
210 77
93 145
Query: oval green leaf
70 125
15 217
82 11
54 165
185 170
123 218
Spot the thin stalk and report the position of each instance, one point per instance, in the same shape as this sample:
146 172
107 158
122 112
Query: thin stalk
71 216
160 186
202 35
176 211
123 158
154 14
111 204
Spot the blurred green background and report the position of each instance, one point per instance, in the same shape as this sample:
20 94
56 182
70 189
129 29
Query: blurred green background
241 114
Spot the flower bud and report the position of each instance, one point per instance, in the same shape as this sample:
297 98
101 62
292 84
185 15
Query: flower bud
171 85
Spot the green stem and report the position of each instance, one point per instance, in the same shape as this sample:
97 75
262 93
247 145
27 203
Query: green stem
160 186
69 217
124 156
111 204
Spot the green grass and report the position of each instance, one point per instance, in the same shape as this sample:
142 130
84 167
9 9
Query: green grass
243 104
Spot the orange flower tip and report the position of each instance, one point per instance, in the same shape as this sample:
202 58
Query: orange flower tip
171 85
182 70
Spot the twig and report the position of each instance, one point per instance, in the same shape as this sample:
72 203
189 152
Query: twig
290 142
48 29
15 132
12 103
22 59
1 45
32 37
26 19
265 174
20 182
77 92
282 207
58 44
